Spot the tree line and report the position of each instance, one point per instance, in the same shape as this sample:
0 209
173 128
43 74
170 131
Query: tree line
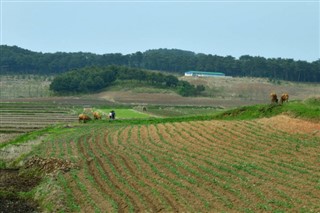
93 79
17 60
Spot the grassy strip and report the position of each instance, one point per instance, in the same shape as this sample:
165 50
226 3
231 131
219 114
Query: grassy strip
26 137
295 109
308 110
52 130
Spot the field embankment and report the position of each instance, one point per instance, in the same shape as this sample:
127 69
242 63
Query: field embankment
308 109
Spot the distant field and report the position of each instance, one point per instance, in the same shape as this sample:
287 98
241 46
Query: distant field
253 88
22 117
220 92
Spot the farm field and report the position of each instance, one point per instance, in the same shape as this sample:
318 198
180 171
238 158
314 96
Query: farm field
24 117
18 118
253 89
147 161
268 164
220 92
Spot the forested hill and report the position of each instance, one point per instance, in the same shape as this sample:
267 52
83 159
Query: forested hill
17 60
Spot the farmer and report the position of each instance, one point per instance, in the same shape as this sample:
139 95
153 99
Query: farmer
113 115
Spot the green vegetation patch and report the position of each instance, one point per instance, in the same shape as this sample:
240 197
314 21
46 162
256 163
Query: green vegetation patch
295 109
137 87
126 113
175 111
315 101
97 78
57 129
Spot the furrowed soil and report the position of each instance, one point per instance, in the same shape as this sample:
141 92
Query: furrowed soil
269 164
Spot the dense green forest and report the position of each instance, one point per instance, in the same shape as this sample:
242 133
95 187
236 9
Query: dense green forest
92 79
17 60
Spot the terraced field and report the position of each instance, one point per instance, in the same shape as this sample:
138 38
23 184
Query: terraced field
270 164
18 118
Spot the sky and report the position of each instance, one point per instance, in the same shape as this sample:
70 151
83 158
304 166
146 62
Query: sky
267 28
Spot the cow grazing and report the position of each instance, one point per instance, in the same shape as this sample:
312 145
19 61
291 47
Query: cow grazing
284 98
84 118
274 98
97 115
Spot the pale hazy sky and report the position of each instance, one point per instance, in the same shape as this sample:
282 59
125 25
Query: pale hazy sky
286 29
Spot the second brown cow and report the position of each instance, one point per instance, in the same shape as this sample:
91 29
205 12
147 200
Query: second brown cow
284 98
97 115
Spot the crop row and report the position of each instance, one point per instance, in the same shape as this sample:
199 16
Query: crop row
191 166
25 117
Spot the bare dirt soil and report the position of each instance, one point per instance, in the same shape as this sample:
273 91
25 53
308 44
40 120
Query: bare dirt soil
293 125
12 183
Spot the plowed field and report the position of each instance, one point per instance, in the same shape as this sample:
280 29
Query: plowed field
21 117
200 166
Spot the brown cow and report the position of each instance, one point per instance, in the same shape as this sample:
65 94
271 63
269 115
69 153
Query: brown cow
274 98
96 115
284 98
84 118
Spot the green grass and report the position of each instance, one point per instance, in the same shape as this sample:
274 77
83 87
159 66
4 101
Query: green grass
294 109
299 109
52 130
177 111
137 87
25 137
125 113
